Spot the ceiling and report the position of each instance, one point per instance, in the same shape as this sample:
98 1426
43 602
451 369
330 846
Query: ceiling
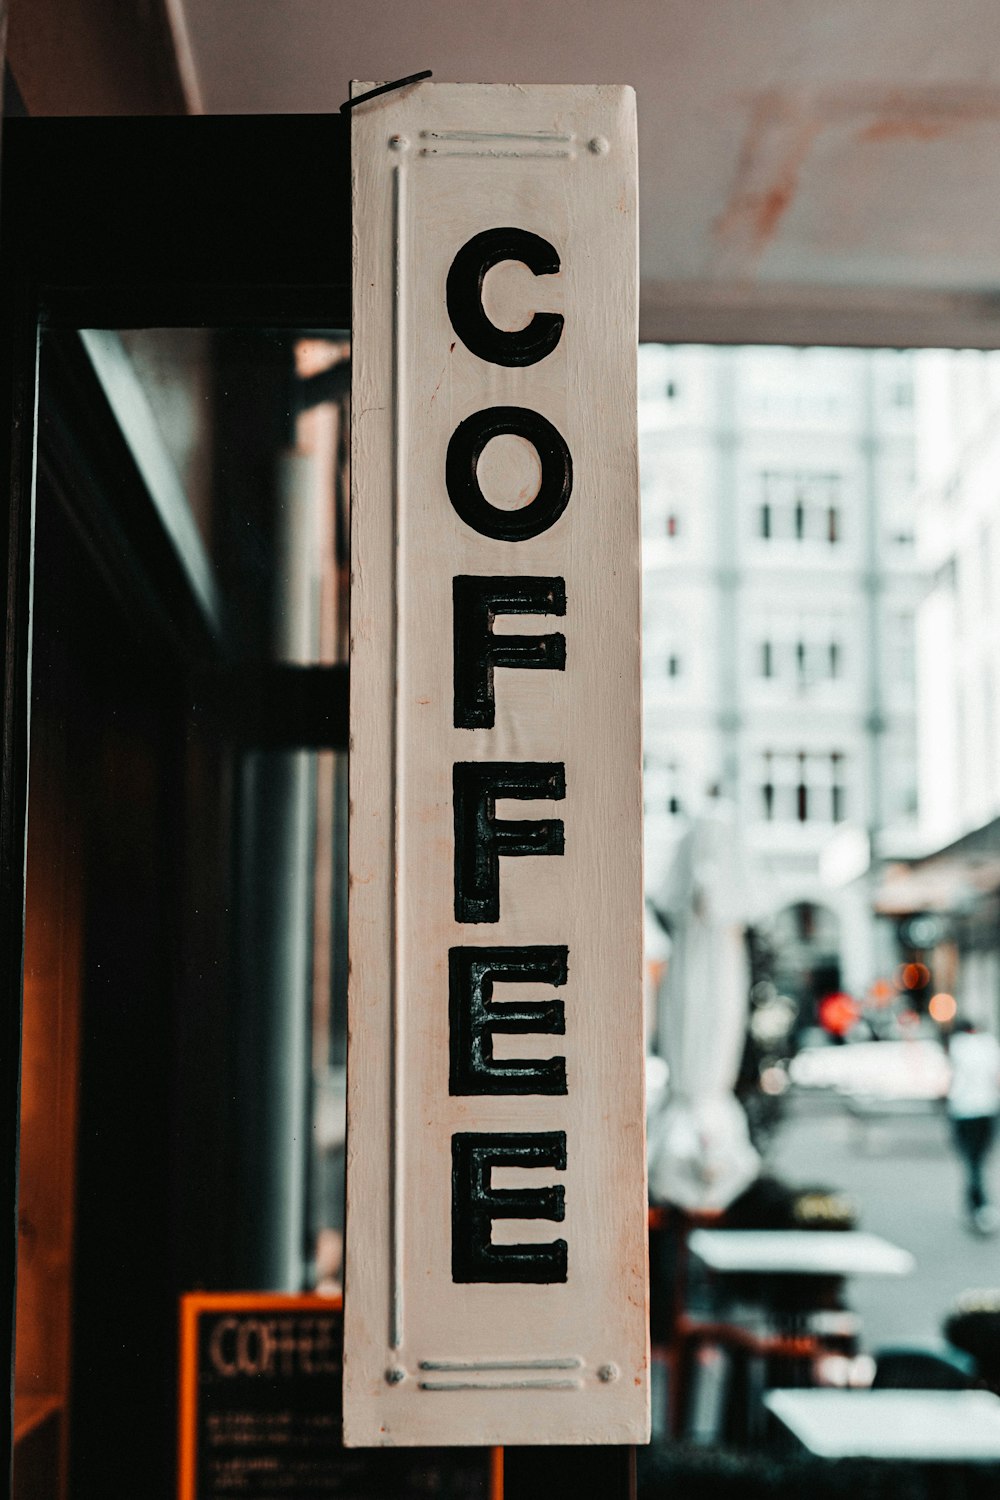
809 169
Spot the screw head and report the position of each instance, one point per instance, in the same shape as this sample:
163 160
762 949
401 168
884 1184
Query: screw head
394 1375
599 145
607 1373
398 143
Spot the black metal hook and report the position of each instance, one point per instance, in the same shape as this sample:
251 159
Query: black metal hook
384 88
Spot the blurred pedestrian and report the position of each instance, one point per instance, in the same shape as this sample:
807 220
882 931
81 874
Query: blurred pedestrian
973 1105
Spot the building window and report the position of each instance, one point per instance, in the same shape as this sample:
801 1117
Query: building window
901 648
800 507
800 662
837 789
766 659
803 786
801 650
767 789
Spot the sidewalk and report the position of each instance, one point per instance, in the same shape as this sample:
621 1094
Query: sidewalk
906 1183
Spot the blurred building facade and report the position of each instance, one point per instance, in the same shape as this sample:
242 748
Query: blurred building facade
947 895
958 534
781 585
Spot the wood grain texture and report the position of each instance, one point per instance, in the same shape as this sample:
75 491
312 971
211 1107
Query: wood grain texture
53 984
427 1360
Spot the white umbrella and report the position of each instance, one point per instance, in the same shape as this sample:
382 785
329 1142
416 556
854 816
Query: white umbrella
700 1155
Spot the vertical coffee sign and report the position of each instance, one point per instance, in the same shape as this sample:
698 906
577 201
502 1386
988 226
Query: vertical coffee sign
496 1261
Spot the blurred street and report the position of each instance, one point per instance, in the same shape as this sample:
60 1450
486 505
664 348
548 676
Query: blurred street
905 1181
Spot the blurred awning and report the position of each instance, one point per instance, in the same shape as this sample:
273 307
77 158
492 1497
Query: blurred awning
942 883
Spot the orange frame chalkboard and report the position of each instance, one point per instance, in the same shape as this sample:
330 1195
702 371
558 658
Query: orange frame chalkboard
193 1305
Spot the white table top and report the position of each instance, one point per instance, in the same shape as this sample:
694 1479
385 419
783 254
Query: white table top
812 1252
921 1426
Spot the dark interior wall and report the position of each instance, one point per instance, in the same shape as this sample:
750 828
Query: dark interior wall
194 852
97 690
149 792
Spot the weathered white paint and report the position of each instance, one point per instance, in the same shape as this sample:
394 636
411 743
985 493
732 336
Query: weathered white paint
428 1360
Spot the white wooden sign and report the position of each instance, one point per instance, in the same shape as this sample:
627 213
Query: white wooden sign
496 1229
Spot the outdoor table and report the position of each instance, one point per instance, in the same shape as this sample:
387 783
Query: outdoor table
955 1427
772 1322
799 1252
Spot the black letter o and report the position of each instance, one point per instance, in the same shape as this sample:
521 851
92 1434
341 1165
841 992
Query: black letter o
467 443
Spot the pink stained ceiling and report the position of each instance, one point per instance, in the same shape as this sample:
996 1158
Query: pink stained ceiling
790 150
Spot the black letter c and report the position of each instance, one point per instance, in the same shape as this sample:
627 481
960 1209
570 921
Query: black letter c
523 346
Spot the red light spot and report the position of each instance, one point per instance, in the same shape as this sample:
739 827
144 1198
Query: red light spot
838 1013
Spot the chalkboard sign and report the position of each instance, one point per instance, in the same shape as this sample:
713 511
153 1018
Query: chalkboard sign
260 1411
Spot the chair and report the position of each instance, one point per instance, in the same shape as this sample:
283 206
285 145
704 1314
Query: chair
914 1367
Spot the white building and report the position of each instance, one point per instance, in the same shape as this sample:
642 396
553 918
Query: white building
958 528
958 662
781 583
